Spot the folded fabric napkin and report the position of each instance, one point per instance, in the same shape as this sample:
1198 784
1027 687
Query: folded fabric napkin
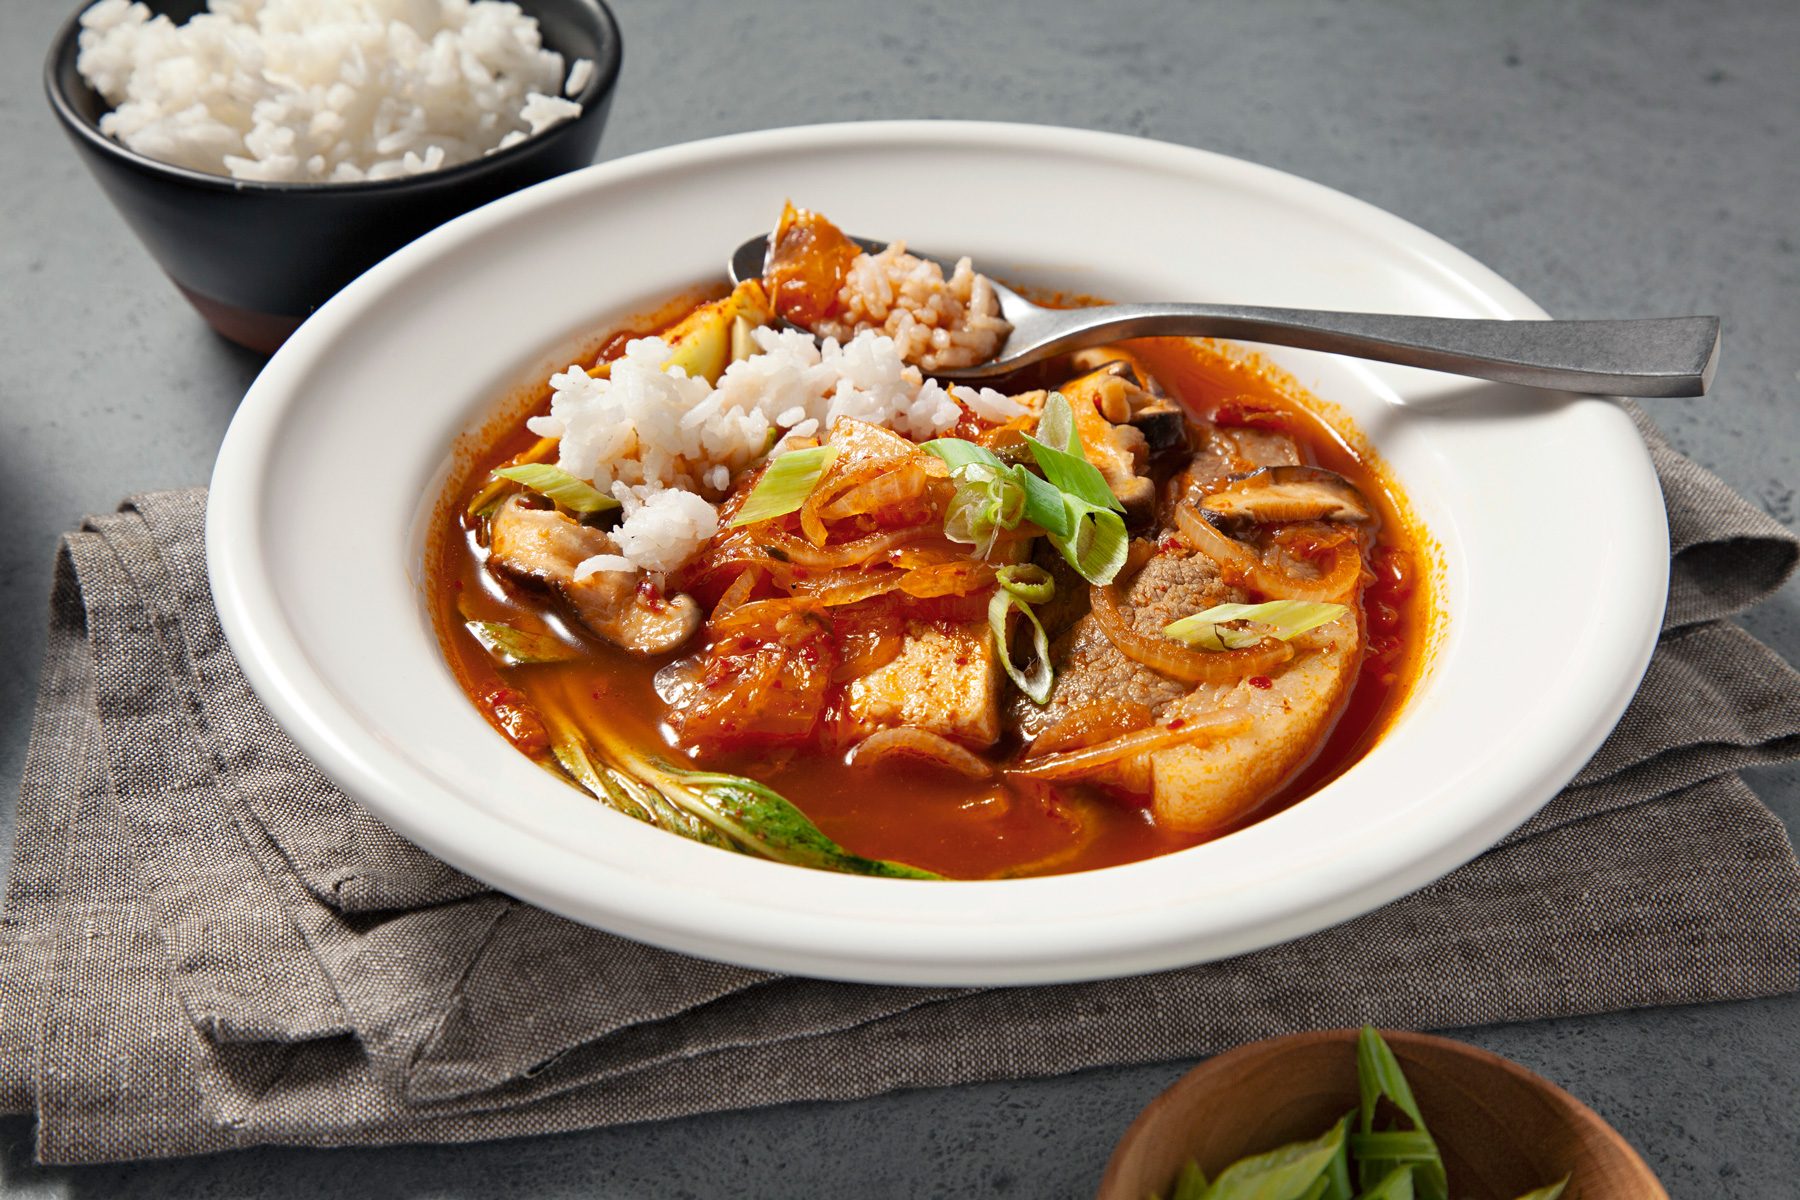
206 945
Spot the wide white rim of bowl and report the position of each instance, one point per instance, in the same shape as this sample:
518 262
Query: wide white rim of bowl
1547 508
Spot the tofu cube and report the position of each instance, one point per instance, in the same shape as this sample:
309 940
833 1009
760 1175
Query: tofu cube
945 680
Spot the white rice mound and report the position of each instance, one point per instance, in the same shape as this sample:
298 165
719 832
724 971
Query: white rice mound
324 91
940 324
669 447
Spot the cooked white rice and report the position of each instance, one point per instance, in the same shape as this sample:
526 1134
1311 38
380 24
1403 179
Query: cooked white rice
940 324
669 447
325 91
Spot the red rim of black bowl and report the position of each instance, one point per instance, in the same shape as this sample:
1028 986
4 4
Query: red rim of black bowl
606 73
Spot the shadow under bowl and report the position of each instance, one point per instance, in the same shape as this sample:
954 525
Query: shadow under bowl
1502 1130
256 258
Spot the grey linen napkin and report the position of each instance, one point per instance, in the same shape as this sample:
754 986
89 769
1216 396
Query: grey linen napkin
205 945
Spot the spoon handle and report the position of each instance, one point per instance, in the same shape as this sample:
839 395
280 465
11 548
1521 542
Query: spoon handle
1663 356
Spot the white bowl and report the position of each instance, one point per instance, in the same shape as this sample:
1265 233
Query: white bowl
1546 507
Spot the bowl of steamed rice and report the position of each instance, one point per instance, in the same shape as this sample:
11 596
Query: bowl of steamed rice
268 153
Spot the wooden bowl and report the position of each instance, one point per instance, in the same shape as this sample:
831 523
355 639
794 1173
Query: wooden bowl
1502 1130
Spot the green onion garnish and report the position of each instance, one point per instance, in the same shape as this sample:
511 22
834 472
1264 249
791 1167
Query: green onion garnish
1028 581
567 491
1089 532
1552 1192
1056 424
985 502
486 502
1190 1184
1037 679
1377 1154
1395 1185
785 484
1098 544
958 454
517 647
1286 1171
1074 475
1044 505
1281 619
742 344
1059 455
1394 1163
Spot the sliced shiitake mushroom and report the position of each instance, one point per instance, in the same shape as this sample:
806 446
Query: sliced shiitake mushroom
1122 397
1282 495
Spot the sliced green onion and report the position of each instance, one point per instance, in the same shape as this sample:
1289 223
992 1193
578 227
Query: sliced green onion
958 453
1044 506
1395 1185
569 492
1282 619
1070 502
1378 1075
1394 1146
1028 581
1057 449
1041 676
1098 543
986 501
785 485
1337 1174
1190 1184
491 498
1073 475
516 647
1287 1171
1552 1192
492 495
1056 424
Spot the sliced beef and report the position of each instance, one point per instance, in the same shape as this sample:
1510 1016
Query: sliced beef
1227 452
1204 784
1089 667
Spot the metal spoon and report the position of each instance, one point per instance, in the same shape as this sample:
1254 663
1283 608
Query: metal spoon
1660 356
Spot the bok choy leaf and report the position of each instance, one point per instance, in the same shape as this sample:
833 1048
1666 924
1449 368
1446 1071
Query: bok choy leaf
726 811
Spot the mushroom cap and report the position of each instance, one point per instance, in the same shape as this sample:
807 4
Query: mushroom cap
1279 495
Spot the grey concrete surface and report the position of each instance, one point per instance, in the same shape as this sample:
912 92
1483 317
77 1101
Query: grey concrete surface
1610 159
